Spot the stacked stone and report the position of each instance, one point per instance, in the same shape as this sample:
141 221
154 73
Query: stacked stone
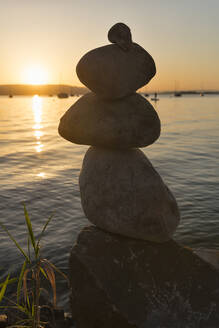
129 273
121 192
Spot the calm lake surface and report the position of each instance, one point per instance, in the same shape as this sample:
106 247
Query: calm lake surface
40 168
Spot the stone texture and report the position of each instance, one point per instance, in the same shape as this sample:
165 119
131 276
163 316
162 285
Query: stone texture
111 72
209 255
123 123
122 193
126 283
121 35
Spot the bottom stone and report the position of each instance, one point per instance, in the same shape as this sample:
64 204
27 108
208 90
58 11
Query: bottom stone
121 282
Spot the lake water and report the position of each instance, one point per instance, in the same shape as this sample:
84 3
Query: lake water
40 168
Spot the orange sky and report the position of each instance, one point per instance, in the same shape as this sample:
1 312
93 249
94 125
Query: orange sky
42 41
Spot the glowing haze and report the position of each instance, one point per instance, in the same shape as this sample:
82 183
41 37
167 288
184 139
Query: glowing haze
35 75
42 41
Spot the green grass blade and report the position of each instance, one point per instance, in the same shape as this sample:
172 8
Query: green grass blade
23 309
28 303
43 230
20 280
43 272
29 227
55 268
28 245
10 281
3 289
15 242
21 324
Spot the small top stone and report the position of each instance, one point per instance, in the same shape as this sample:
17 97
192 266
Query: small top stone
116 70
120 34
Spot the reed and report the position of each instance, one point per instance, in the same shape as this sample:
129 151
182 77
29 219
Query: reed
29 282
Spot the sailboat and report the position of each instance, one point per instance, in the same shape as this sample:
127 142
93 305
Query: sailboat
177 93
61 94
155 97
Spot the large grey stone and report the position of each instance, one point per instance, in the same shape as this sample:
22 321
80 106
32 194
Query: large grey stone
121 192
119 282
123 123
111 72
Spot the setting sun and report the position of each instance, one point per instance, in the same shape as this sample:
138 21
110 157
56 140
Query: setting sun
36 75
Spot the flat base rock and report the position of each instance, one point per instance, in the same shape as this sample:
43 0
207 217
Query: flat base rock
119 282
124 123
209 255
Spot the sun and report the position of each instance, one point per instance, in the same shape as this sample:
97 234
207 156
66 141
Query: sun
35 75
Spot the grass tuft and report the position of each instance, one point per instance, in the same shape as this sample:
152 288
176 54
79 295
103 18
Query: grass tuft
30 277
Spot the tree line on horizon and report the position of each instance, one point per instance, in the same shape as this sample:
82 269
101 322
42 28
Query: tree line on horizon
45 89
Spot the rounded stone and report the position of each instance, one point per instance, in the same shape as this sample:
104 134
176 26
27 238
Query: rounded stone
123 123
121 35
122 193
112 73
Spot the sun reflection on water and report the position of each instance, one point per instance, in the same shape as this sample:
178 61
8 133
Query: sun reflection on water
37 111
38 134
41 174
37 107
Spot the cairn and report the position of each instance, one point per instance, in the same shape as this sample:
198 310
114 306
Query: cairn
121 192
113 264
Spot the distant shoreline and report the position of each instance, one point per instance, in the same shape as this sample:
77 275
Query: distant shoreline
41 90
54 89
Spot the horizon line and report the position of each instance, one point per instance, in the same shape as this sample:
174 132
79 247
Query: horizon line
84 87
